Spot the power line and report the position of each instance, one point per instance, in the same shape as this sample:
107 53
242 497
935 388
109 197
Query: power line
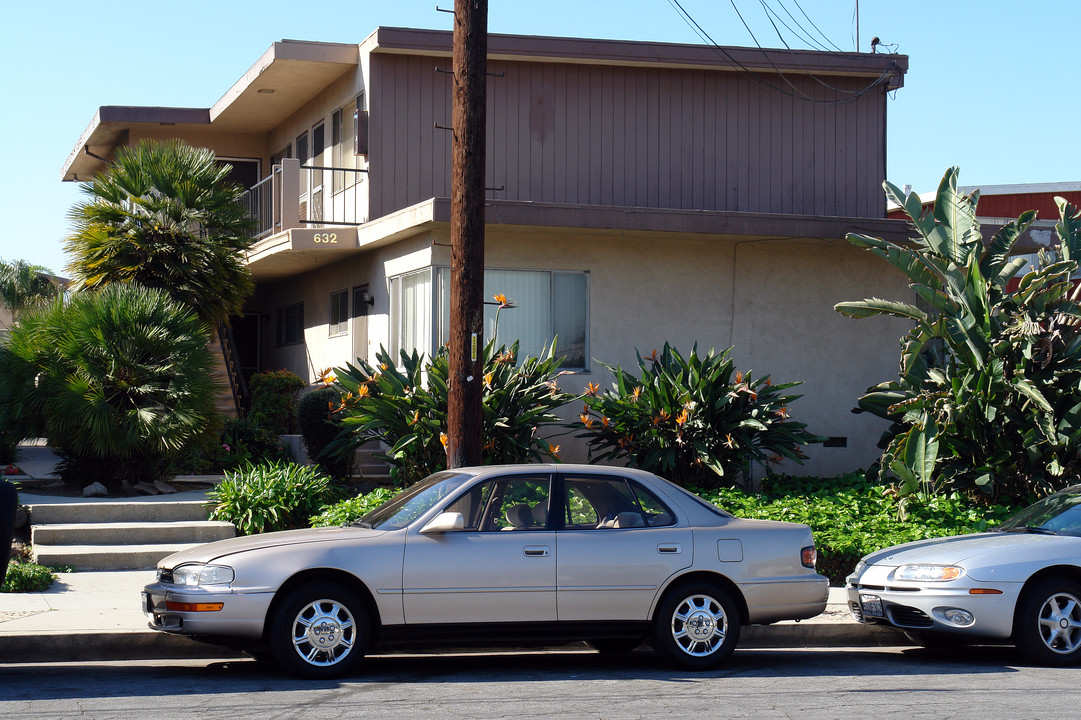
813 25
795 92
802 33
814 77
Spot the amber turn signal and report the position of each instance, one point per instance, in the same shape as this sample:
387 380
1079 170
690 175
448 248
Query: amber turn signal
193 607
984 591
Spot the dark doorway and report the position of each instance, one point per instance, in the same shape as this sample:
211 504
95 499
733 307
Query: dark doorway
247 333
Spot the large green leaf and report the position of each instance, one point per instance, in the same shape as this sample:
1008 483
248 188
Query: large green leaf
875 306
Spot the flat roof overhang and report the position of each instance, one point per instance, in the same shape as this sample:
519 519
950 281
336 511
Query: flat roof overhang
764 61
289 74
293 252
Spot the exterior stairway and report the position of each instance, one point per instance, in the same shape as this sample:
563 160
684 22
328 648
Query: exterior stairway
119 535
370 469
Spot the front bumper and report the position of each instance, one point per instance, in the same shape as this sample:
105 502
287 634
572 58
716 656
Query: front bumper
241 615
923 608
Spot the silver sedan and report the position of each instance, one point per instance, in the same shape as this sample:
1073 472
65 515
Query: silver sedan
1020 583
496 556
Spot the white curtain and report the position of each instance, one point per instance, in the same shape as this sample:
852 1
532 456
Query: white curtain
411 298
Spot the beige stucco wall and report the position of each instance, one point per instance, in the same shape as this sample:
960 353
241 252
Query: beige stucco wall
320 350
318 109
231 145
771 301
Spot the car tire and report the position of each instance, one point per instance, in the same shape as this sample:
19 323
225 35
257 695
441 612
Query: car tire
1047 624
614 646
696 626
319 630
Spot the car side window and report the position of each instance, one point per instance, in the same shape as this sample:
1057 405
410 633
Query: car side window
655 512
580 512
602 503
514 503
471 505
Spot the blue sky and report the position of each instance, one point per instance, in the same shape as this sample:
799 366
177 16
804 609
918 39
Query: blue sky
991 87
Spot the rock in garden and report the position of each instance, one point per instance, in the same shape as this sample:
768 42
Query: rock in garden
95 490
164 488
146 488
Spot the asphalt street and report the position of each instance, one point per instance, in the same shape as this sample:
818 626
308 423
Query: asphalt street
880 683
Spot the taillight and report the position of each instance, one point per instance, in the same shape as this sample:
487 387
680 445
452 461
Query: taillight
808 556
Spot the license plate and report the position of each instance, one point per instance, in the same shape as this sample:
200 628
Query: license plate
146 603
871 606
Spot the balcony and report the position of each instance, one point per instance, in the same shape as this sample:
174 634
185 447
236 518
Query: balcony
307 196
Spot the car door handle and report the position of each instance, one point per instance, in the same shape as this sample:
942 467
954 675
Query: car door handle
536 550
672 549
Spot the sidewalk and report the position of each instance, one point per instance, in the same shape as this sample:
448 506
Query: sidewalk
96 616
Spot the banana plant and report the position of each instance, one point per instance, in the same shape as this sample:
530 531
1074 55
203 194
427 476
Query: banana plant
404 404
695 420
988 390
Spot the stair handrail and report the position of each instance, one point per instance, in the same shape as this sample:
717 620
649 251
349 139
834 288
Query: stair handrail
237 384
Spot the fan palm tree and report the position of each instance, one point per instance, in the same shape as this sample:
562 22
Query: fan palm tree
23 284
165 215
120 376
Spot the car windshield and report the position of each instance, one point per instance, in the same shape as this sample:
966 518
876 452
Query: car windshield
413 502
1058 514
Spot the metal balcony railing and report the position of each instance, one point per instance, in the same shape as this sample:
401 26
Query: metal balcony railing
296 195
259 202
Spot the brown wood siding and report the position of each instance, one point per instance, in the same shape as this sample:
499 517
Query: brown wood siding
632 136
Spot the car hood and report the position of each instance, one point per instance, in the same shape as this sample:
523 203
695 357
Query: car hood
213 550
958 548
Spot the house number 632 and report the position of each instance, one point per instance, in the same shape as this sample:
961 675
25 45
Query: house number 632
326 238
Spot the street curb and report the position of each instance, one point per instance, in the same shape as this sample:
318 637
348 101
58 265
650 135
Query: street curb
119 645
850 634
105 646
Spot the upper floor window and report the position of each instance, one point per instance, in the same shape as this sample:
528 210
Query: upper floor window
342 132
285 152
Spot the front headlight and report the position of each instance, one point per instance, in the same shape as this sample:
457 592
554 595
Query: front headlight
928 573
195 575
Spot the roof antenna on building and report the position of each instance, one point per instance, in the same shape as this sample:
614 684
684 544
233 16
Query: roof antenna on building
875 42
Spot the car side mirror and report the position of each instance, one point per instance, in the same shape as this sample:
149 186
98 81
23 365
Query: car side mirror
444 522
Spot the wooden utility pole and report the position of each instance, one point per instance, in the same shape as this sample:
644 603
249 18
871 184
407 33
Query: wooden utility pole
464 413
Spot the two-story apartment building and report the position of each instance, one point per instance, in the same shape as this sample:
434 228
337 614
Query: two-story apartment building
637 193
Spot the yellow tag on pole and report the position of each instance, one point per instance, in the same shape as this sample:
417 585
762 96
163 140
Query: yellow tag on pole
473 348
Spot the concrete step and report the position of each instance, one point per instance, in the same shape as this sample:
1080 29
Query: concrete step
107 557
130 533
102 512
